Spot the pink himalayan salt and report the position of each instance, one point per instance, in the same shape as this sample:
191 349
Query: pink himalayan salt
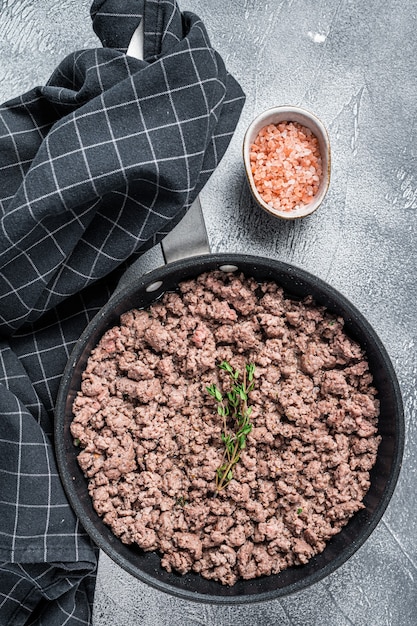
286 165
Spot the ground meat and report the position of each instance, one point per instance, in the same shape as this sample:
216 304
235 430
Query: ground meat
150 435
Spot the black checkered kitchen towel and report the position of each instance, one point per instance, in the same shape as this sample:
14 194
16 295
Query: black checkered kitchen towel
95 167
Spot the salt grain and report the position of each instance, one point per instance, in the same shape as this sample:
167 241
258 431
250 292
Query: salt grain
286 165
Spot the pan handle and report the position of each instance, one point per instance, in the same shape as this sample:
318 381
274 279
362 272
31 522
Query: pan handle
188 238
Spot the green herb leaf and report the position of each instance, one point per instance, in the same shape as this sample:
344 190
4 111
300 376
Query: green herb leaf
250 368
234 404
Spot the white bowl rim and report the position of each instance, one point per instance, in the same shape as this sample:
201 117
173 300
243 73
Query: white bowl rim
306 118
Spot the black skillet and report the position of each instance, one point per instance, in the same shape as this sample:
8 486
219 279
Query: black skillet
140 292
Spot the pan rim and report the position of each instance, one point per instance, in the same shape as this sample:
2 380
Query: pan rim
176 267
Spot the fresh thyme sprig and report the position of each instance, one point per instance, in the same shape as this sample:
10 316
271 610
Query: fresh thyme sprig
233 405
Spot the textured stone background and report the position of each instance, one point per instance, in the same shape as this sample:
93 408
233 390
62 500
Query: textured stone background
353 64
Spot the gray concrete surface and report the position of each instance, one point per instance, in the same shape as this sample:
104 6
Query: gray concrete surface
354 64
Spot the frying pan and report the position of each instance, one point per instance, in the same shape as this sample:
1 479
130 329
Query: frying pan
141 292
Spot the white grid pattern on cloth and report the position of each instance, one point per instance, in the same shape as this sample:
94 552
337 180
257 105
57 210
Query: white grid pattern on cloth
97 166
26 589
36 518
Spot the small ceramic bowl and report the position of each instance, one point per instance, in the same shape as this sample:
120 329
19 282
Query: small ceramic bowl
307 119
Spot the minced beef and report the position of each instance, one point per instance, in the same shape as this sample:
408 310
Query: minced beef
151 436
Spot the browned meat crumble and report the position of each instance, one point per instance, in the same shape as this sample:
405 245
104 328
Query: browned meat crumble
150 433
